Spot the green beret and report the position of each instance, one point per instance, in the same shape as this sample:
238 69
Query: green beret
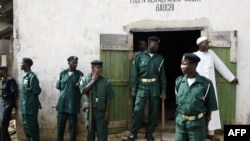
154 39
96 62
191 57
28 61
71 58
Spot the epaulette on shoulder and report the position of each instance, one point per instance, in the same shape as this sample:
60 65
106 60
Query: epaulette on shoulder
137 53
63 71
32 73
179 78
206 79
79 72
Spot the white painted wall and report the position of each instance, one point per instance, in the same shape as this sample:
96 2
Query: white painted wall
51 30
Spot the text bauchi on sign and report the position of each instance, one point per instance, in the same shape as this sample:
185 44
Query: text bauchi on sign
162 5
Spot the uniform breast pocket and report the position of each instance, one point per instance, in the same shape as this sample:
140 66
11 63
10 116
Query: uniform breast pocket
101 105
4 87
180 97
200 96
63 83
143 66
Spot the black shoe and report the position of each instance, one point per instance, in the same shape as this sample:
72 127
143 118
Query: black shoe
132 137
149 137
212 138
156 125
172 117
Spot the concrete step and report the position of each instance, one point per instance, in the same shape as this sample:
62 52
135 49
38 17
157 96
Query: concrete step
164 136
167 137
141 137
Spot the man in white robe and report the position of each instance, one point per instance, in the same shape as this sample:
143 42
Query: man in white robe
206 67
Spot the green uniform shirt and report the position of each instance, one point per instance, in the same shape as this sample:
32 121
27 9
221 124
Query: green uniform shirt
69 99
30 92
145 66
197 98
101 90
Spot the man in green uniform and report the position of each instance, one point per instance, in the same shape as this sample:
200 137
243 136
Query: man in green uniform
148 82
29 101
195 99
142 46
9 90
68 104
98 94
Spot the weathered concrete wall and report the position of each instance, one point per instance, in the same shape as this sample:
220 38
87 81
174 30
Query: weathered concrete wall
50 31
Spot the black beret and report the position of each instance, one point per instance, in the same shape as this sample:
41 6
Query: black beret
3 68
28 61
191 57
71 58
154 39
96 62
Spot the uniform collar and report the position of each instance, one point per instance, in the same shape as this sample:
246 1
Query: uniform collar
27 73
147 53
197 78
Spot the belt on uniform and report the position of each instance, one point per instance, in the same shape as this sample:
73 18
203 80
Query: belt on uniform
148 79
200 115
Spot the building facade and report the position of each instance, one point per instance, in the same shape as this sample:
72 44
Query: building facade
50 31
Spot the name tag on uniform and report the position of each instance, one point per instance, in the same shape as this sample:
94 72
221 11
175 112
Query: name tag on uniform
96 99
25 82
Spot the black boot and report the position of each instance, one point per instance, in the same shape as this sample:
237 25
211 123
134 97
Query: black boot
212 138
149 137
132 137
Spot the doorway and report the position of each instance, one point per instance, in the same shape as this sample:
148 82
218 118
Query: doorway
173 44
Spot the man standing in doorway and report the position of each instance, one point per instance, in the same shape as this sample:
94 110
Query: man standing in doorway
9 93
142 46
29 101
148 82
195 99
68 104
209 62
98 94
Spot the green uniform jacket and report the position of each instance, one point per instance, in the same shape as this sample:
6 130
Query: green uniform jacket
198 98
145 66
102 91
30 93
69 99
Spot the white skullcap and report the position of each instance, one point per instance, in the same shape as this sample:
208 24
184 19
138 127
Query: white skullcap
201 39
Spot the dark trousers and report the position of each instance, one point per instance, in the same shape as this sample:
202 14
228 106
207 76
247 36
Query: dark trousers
193 130
99 125
6 109
138 114
62 118
31 127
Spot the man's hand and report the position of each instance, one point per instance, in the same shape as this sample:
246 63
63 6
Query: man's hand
235 81
95 75
106 115
163 96
132 94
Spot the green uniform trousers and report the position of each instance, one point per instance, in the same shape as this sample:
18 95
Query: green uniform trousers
62 118
99 125
31 127
138 115
189 130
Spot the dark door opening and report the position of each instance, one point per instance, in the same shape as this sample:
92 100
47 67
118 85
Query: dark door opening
173 45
